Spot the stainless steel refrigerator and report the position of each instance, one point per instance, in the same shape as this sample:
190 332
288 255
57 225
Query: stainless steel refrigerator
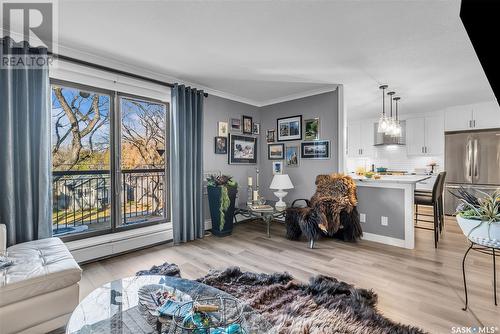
472 160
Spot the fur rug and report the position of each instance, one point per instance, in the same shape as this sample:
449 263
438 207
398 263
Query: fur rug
323 305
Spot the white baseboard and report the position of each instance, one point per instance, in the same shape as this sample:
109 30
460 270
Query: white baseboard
110 244
384 240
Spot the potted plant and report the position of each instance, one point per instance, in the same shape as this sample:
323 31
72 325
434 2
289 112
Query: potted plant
479 218
222 192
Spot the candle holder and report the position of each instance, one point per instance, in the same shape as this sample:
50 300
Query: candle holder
250 195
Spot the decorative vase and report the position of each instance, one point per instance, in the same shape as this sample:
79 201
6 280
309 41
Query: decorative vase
479 231
214 201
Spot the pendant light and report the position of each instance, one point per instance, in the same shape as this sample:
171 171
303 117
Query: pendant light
391 124
397 131
382 122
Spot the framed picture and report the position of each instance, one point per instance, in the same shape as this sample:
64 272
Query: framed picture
235 124
289 128
311 129
292 156
277 167
271 136
242 150
276 151
256 128
247 125
220 145
315 149
222 129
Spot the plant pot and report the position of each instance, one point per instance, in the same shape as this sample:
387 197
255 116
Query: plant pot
214 201
479 231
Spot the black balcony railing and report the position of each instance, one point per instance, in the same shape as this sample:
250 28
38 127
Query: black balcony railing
82 199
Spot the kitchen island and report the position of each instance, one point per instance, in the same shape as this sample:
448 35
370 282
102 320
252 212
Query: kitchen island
386 208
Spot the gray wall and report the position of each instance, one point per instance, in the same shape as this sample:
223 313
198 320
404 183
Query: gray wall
377 202
219 109
324 106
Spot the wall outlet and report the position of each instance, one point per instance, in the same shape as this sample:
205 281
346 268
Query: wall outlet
362 217
384 221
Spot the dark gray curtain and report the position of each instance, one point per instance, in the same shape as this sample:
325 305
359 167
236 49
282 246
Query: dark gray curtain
186 154
25 158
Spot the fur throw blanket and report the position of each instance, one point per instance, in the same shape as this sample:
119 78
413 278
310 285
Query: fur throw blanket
331 211
324 305
335 193
335 185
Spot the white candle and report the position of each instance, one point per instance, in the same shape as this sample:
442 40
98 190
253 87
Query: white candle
250 180
255 195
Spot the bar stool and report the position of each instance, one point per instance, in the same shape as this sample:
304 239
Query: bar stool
434 199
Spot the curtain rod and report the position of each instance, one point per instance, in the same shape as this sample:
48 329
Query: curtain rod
112 70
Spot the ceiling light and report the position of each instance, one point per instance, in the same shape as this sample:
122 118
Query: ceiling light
382 122
397 132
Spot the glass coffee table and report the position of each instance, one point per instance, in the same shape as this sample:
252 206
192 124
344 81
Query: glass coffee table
113 307
267 215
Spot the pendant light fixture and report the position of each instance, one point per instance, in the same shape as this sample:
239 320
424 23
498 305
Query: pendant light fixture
382 122
390 123
397 131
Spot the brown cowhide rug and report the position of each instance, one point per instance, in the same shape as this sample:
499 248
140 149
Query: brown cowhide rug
323 305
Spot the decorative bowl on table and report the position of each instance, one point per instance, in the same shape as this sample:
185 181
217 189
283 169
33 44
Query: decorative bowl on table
149 302
215 315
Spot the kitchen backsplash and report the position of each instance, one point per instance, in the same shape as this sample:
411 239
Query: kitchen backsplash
395 158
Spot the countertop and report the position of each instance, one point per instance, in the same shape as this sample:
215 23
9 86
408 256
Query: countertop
409 179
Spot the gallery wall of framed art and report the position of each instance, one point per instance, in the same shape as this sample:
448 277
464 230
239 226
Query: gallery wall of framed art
289 128
318 122
318 129
242 150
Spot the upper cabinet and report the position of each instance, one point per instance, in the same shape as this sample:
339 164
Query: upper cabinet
486 115
477 116
425 135
360 139
415 135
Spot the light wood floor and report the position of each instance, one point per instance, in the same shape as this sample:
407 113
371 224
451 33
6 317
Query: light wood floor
421 287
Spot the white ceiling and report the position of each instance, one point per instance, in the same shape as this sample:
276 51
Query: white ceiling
260 52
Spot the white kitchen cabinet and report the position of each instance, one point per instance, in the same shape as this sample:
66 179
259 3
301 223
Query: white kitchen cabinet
458 118
353 139
485 115
360 139
367 138
415 136
425 136
434 135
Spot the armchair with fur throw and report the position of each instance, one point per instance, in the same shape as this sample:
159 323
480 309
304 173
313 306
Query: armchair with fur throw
331 211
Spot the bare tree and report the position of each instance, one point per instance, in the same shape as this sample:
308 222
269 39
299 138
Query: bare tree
151 136
81 125
147 136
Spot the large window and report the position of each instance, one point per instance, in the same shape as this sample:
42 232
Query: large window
143 151
109 161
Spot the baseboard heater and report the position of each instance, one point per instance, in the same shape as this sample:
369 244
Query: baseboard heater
90 249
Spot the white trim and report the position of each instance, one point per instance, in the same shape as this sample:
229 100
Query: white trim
384 240
66 71
119 65
326 89
341 129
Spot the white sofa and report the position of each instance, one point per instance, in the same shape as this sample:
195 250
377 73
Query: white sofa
41 289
